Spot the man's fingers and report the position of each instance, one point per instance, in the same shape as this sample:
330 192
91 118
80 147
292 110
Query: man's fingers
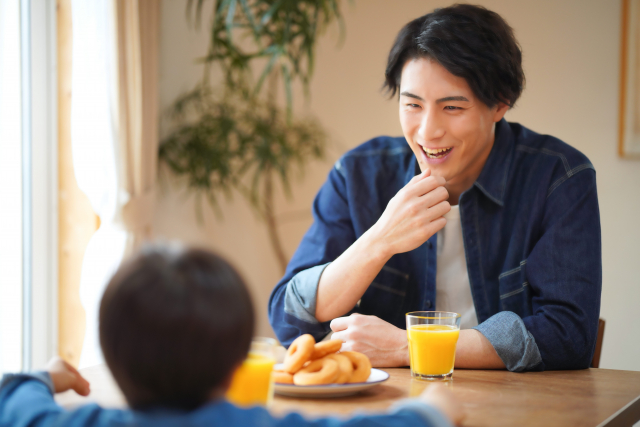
347 346
435 196
436 225
339 336
426 186
339 324
425 173
440 209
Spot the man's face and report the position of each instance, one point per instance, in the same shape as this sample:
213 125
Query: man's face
449 130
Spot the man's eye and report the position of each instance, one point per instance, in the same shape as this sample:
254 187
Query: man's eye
451 107
413 105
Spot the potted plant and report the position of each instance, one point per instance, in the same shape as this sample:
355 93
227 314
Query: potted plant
233 135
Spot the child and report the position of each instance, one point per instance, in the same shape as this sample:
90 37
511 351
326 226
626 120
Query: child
174 324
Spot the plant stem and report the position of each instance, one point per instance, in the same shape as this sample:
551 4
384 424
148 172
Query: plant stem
272 227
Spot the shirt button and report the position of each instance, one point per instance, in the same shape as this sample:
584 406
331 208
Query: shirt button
429 244
428 304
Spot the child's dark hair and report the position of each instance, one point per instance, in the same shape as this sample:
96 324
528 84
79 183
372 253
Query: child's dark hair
174 323
470 42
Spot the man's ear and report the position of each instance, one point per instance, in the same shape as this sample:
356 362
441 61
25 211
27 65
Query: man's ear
501 110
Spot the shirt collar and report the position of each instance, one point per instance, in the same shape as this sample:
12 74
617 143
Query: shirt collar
493 178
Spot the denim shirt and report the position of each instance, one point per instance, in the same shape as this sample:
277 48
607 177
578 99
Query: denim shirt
531 232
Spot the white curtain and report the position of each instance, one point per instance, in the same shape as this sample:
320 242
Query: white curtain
114 137
94 130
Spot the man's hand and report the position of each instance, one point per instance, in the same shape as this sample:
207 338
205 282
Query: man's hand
439 396
385 344
413 215
66 377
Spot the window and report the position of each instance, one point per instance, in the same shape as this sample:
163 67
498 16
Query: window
10 189
28 184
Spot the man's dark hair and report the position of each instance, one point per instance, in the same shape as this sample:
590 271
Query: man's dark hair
468 41
173 325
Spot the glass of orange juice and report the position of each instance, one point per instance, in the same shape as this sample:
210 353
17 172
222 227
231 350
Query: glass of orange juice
432 343
252 383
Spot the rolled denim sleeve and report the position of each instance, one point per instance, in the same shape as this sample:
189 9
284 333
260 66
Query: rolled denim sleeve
300 296
512 341
292 304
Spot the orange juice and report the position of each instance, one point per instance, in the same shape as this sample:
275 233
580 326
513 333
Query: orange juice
432 348
252 383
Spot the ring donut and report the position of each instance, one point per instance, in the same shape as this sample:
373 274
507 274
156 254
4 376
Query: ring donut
321 371
323 348
361 366
344 365
282 377
298 353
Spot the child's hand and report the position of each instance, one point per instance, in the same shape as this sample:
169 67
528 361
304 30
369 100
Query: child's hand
439 396
66 377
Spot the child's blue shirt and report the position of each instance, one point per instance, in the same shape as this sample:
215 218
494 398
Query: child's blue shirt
27 400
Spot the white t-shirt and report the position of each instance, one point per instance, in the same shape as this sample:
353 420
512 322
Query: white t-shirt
453 291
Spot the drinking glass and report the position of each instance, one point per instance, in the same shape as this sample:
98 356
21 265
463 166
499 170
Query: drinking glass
252 383
432 343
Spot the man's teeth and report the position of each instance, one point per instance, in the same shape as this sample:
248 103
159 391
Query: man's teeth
434 152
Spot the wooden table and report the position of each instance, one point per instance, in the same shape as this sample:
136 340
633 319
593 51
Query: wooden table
591 397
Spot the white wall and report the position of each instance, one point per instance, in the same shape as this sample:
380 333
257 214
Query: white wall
571 60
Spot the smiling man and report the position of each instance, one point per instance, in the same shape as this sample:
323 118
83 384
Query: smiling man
467 213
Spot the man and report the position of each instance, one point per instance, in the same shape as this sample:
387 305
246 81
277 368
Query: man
466 213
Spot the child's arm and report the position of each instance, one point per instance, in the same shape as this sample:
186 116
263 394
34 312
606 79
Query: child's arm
27 400
436 407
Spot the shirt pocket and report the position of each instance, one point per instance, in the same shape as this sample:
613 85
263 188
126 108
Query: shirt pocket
386 296
515 292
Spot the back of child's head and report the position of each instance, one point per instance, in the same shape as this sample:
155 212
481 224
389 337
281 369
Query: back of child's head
174 323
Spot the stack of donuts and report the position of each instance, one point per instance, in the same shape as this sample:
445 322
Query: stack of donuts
308 363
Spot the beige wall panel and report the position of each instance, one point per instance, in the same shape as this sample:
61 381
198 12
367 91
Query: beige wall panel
571 60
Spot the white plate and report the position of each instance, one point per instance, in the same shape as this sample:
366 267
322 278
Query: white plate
330 390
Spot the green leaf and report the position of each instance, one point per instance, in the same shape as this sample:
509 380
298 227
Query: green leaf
287 86
275 54
198 13
230 136
231 13
269 13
